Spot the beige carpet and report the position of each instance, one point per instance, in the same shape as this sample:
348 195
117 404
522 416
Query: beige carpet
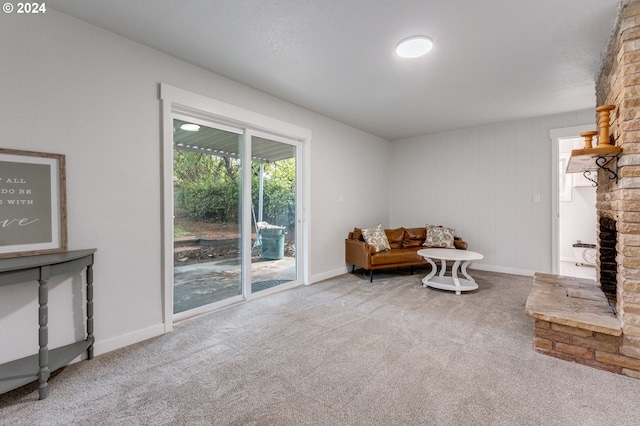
341 352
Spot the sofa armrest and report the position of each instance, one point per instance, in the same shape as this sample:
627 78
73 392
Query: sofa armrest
460 244
357 253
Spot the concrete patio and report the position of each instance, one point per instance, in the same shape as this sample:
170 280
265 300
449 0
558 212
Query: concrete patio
199 284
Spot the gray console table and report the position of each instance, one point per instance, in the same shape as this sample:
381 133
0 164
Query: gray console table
40 268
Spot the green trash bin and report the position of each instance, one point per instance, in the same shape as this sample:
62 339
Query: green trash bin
273 242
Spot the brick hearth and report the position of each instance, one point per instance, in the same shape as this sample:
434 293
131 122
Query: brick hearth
575 322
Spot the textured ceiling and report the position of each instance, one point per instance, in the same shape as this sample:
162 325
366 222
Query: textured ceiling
493 60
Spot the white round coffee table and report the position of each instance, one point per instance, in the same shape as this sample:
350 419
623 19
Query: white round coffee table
452 282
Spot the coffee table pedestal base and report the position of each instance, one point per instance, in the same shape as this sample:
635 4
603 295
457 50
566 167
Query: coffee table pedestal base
448 283
462 259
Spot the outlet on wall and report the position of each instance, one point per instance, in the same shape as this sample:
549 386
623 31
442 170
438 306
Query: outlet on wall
536 198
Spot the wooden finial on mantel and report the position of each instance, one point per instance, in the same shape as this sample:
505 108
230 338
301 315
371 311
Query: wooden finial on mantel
596 158
603 125
588 138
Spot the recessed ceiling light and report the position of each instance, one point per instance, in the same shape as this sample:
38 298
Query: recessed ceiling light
414 47
190 127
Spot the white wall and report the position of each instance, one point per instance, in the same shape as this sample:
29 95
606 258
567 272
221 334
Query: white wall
69 87
482 181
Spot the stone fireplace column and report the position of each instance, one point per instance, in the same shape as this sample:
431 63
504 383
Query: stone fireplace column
618 201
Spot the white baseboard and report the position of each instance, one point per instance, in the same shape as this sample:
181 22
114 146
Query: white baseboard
502 269
481 267
328 274
104 346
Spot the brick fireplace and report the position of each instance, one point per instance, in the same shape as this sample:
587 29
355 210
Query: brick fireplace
598 324
618 202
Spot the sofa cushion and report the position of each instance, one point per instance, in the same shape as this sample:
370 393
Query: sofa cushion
414 237
439 236
395 237
397 256
376 238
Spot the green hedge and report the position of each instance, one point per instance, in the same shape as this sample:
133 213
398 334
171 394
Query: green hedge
208 188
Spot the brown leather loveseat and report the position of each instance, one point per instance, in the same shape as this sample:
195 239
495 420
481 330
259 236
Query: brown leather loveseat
404 244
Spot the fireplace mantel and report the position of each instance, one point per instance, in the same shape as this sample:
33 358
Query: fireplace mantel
592 159
586 159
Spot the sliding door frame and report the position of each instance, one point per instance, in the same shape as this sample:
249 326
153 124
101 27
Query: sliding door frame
178 102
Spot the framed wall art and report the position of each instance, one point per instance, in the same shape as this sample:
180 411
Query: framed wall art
33 214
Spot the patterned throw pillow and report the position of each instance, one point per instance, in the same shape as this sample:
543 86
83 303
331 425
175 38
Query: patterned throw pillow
439 236
376 238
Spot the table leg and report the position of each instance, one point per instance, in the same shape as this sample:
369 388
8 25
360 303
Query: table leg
464 271
443 266
432 273
90 310
454 274
43 332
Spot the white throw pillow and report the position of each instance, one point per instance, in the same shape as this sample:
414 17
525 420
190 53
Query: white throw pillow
439 236
377 238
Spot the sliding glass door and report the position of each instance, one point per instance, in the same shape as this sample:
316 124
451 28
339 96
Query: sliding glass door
219 255
274 211
207 182
235 204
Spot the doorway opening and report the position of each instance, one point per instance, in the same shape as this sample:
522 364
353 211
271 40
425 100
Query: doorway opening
574 210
